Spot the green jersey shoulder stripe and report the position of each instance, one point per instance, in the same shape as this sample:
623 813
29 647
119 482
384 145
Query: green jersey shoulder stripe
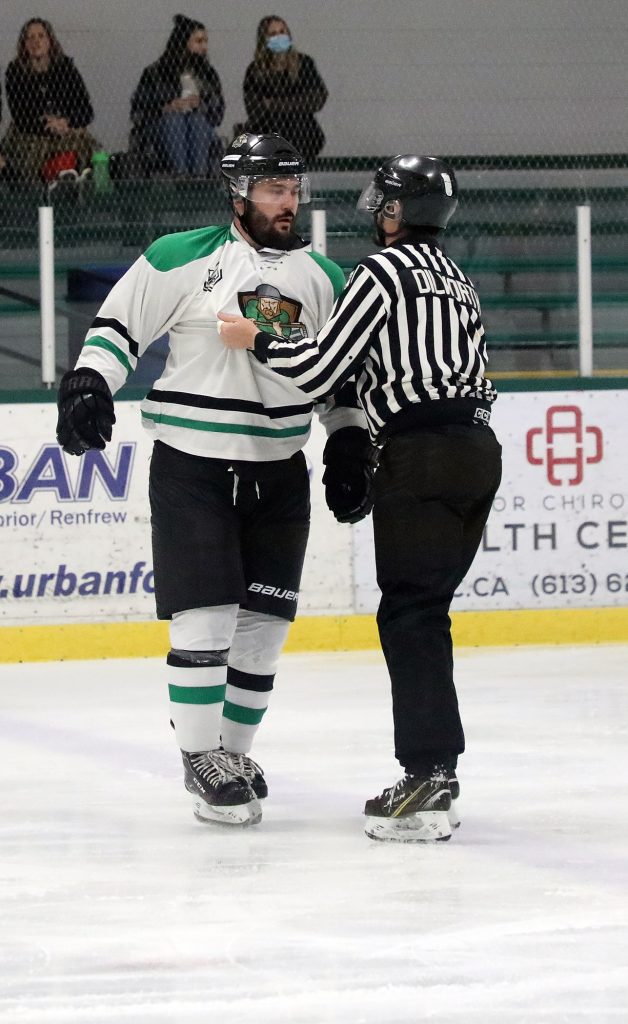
333 271
173 251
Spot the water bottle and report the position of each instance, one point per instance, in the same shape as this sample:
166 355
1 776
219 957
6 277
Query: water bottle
100 168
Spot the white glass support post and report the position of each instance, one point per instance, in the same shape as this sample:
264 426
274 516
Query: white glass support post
47 294
585 293
319 231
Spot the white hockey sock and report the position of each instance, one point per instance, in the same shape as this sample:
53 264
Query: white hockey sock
197 693
253 658
246 701
197 673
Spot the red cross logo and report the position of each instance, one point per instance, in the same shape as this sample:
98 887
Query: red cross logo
565 445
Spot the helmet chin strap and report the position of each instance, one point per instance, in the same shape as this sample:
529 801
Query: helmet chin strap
244 220
384 237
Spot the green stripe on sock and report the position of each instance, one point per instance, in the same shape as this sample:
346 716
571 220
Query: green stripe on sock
197 694
245 716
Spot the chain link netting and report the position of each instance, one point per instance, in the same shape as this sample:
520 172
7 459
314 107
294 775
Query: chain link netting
514 231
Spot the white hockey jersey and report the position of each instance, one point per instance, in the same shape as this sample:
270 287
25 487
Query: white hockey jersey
210 400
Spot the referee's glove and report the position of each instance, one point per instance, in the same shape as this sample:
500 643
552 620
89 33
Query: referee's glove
349 478
86 413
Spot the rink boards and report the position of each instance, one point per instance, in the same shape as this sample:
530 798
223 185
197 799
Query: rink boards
75 559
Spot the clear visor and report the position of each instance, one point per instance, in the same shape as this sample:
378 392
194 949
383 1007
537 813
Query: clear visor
273 190
371 199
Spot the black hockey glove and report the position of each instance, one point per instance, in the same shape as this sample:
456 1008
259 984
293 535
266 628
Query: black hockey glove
86 413
349 478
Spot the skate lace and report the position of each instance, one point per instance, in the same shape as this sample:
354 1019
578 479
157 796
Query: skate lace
438 774
390 794
213 767
242 764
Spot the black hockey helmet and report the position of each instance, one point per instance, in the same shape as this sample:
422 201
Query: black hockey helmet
425 186
251 156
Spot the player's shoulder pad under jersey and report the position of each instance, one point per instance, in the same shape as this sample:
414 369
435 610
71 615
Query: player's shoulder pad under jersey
333 271
172 251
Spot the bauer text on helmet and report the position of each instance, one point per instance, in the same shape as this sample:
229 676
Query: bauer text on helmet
252 158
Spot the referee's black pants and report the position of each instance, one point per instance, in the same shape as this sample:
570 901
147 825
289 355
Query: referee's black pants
433 493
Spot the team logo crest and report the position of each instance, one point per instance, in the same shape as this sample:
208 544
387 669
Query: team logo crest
241 139
273 312
213 277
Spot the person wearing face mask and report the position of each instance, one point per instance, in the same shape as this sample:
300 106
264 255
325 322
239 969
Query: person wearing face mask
3 163
177 106
229 486
283 89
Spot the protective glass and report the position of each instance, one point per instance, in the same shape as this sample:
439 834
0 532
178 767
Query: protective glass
274 190
371 199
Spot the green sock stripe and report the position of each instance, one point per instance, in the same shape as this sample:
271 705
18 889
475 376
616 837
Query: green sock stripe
197 694
245 716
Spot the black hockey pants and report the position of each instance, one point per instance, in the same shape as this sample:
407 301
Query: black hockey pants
433 493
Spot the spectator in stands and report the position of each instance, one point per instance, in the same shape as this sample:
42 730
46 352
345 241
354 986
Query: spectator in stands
178 105
283 89
3 162
49 105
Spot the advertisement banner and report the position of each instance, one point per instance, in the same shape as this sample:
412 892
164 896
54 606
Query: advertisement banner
75 541
74 532
557 536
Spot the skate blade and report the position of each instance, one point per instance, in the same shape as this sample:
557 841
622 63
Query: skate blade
425 827
240 815
452 814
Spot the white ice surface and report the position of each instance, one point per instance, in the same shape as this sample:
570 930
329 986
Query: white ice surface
116 905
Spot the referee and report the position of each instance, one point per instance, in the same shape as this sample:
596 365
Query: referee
408 326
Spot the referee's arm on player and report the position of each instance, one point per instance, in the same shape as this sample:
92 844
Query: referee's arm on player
320 365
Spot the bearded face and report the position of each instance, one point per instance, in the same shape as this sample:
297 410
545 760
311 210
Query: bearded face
270 230
268 307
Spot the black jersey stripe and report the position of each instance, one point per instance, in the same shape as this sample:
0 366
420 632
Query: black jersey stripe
373 397
338 369
392 341
380 274
228 404
119 328
354 319
407 326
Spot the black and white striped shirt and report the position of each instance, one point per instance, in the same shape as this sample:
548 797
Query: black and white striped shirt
408 326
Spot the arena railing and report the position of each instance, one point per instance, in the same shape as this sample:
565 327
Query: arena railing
515 233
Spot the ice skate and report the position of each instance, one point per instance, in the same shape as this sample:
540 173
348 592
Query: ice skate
219 792
244 765
454 789
414 810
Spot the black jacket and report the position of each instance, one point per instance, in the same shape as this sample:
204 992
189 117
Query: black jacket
160 85
276 102
60 91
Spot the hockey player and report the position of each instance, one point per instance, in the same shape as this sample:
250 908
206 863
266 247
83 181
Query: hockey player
409 324
229 488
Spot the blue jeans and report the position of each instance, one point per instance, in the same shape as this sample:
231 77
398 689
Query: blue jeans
187 138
